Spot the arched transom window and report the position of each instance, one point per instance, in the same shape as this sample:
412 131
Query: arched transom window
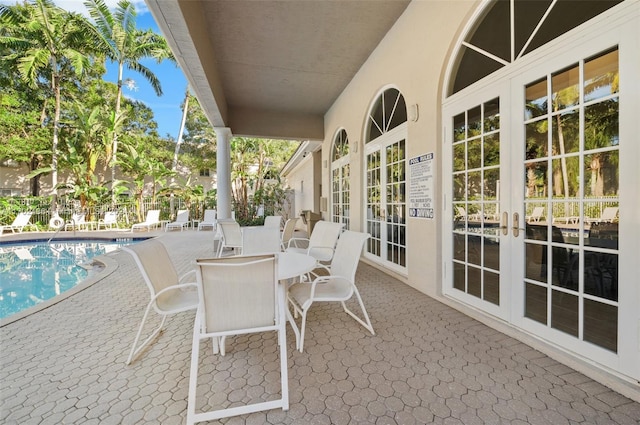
512 29
388 112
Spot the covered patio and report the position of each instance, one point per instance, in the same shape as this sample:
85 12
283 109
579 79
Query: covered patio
427 363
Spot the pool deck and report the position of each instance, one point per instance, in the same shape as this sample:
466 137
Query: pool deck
427 363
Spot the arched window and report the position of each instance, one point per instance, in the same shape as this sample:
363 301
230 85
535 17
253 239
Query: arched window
388 112
508 30
340 173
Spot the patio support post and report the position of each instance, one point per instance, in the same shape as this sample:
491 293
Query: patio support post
223 172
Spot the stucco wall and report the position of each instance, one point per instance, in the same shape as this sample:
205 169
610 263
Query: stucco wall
301 180
412 58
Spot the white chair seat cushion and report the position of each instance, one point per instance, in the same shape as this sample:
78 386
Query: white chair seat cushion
335 289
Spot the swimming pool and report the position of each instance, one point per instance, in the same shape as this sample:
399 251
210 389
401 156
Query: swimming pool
32 272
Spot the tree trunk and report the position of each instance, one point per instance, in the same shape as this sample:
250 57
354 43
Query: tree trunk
34 183
114 151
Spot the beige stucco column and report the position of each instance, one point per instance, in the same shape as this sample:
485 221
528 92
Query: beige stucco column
223 171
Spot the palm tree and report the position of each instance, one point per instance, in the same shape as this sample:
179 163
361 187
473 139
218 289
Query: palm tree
43 43
127 46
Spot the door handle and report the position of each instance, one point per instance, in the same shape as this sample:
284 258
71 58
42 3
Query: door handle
504 223
516 225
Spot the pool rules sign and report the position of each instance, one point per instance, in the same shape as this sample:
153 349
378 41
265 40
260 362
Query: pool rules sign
421 187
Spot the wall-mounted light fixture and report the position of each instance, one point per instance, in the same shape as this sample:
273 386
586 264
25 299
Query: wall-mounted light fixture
413 112
355 147
324 163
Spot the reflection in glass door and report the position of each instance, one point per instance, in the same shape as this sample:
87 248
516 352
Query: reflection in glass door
476 216
571 169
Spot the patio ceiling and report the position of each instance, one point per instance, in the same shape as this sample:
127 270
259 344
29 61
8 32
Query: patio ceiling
272 68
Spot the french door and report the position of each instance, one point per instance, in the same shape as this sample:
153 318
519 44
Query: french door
386 205
539 173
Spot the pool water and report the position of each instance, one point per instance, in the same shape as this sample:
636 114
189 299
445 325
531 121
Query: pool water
33 272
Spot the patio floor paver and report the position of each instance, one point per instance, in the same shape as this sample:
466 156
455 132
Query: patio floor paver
427 363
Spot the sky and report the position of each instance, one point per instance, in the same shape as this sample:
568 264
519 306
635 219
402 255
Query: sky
166 108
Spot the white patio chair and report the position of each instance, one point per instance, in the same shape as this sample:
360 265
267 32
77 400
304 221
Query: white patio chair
19 223
339 286
287 232
321 244
109 221
209 220
152 220
168 294
273 221
231 236
238 295
260 240
182 221
77 222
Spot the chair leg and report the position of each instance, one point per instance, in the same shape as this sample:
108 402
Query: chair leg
218 345
303 326
284 368
193 374
134 351
367 325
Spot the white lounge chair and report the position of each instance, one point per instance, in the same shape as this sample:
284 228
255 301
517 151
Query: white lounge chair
110 220
609 215
19 223
77 222
339 286
238 295
208 221
168 292
152 220
536 215
182 221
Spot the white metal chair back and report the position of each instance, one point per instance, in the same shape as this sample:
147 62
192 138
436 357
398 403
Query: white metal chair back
110 220
21 220
288 231
76 222
323 240
260 240
182 221
182 216
347 255
167 294
609 214
231 235
273 221
536 215
238 295
153 216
